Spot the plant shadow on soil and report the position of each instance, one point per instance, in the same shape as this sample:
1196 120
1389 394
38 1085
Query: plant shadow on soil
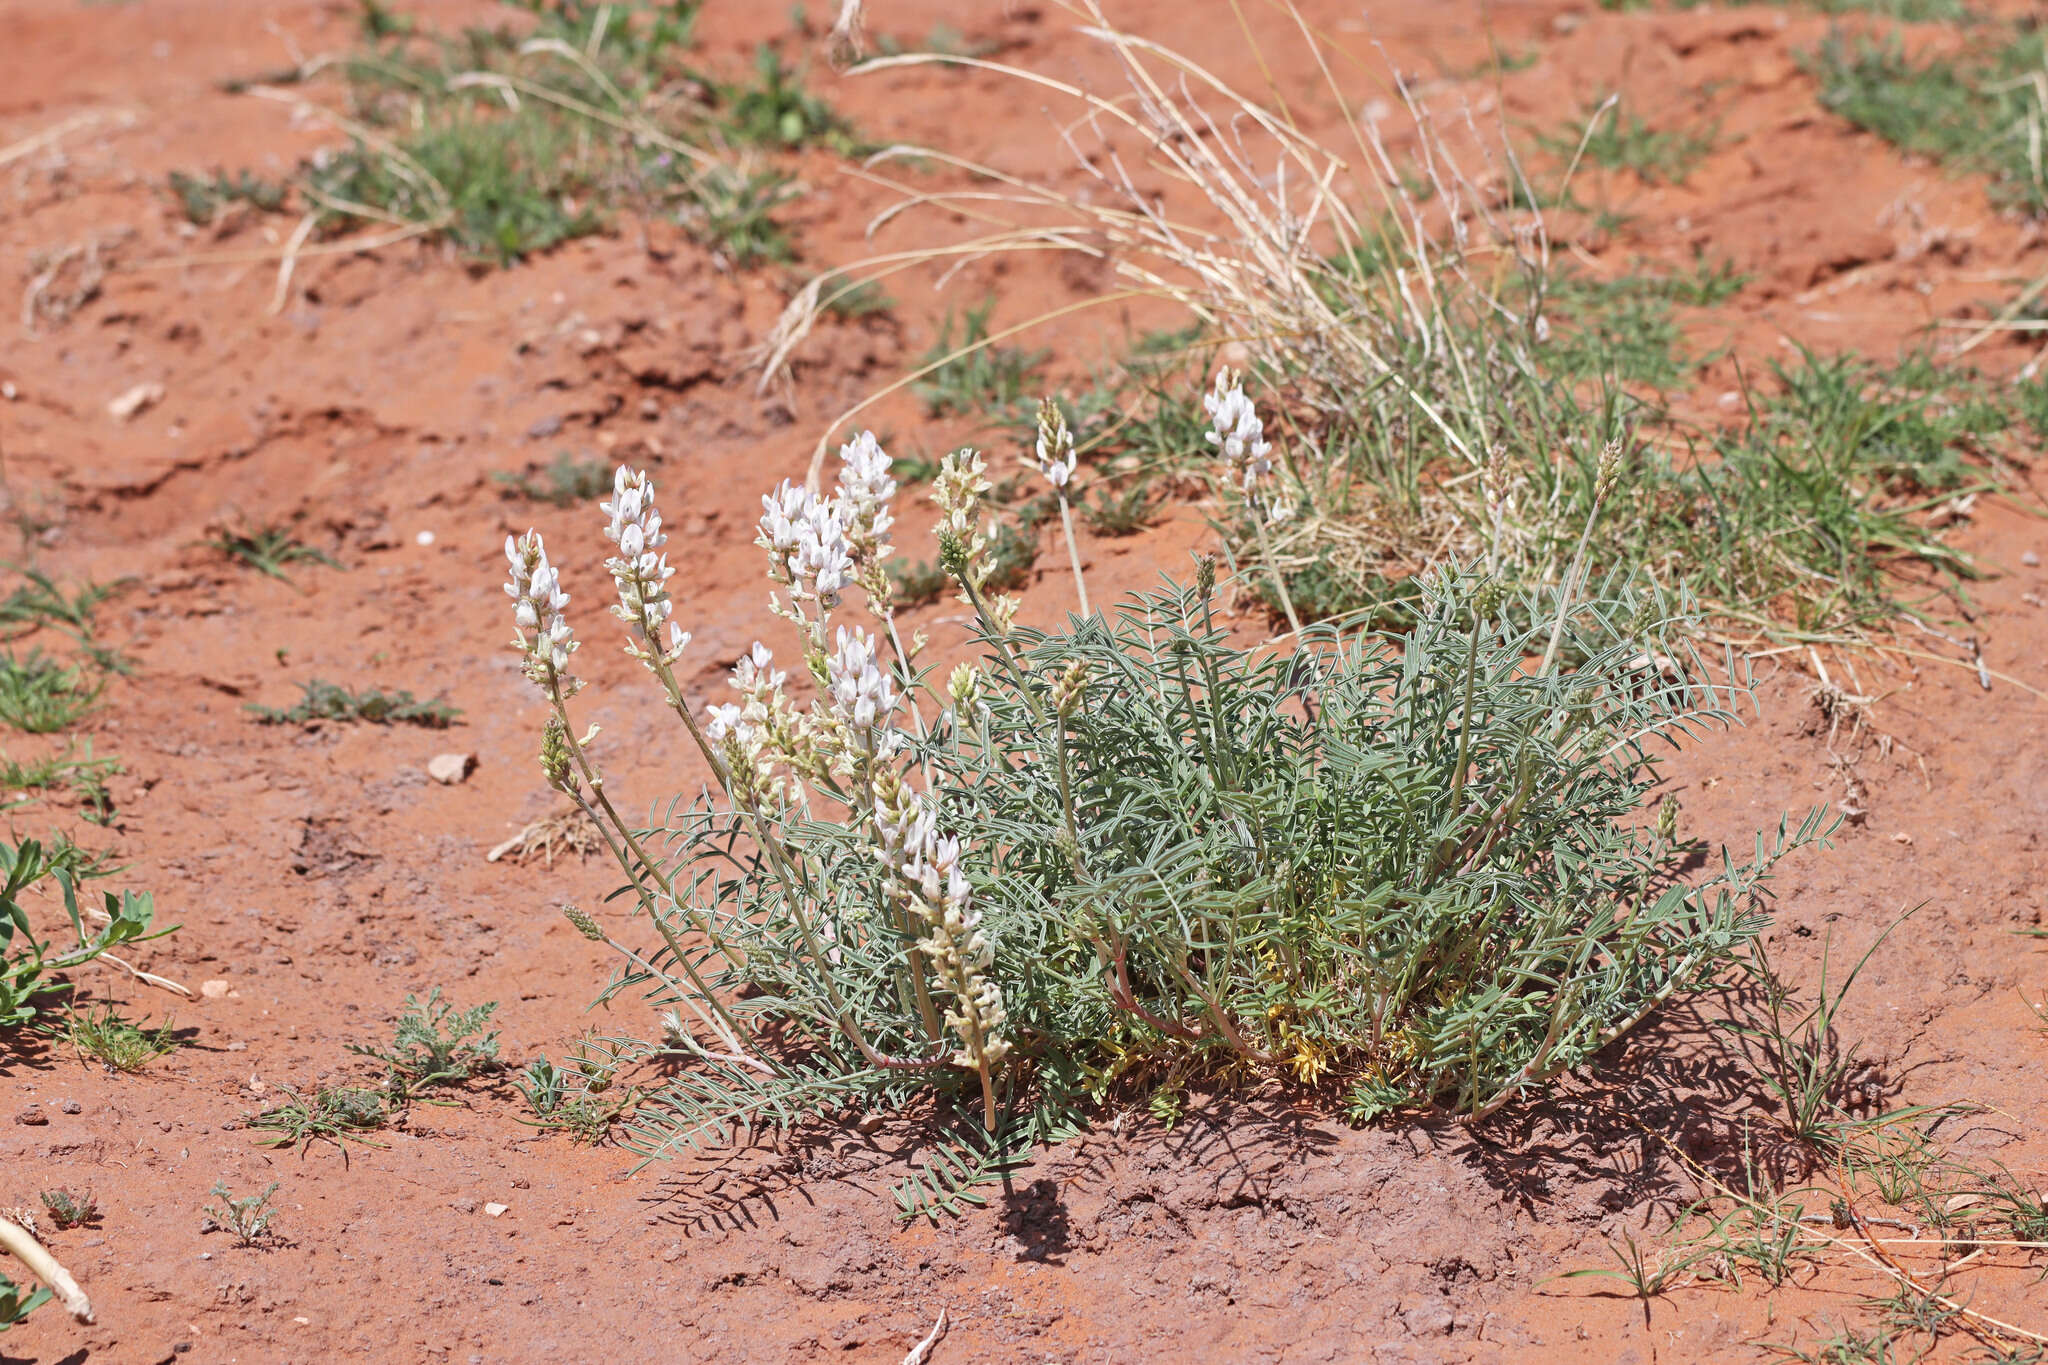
1677 1089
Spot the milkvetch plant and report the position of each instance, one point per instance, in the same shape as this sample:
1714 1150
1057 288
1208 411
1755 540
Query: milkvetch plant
1421 872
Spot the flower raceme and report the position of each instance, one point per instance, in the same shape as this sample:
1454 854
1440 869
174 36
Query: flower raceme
537 602
806 539
639 569
1240 440
1055 454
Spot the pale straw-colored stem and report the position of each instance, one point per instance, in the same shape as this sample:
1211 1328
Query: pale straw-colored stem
18 1243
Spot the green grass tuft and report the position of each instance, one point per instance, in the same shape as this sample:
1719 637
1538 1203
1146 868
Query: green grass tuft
1980 113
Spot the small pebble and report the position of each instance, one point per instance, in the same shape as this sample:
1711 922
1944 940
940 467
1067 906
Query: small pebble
71 1106
497 1210
213 990
448 769
2031 560
424 538
32 1117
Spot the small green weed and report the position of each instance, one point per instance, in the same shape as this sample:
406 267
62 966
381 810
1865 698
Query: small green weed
202 197
267 549
1121 510
40 694
581 1098
329 701
117 1044
914 467
500 187
70 1209
772 109
510 143
1984 112
17 1303
858 302
80 863
986 379
337 1114
436 1044
913 583
564 481
40 602
249 1218
1614 329
77 775
733 211
30 967
1619 140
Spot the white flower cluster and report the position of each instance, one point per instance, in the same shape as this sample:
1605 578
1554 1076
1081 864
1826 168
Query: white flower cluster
761 730
806 540
862 694
537 601
1240 438
640 569
942 897
865 490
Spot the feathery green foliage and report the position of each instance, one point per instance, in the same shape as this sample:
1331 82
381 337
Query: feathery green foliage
1410 867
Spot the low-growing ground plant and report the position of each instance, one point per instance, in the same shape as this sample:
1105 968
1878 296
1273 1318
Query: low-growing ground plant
117 1043
247 1218
16 1303
1984 111
40 694
32 968
323 700
435 1044
563 481
70 1209
511 142
202 197
582 1097
1106 858
337 1114
75 772
268 549
1614 137
971 377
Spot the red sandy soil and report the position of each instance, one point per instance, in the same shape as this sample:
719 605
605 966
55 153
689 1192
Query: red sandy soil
320 875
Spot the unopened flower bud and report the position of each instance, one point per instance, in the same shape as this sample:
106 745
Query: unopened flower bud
1205 575
585 925
1066 693
1610 469
964 687
554 755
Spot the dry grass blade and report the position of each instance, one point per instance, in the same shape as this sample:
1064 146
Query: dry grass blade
1262 235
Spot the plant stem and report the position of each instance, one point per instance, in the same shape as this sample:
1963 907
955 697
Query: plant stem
1273 567
1074 552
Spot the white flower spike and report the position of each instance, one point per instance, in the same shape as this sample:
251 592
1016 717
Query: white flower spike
639 569
537 602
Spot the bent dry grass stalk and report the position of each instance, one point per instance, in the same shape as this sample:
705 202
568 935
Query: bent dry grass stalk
1103 859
